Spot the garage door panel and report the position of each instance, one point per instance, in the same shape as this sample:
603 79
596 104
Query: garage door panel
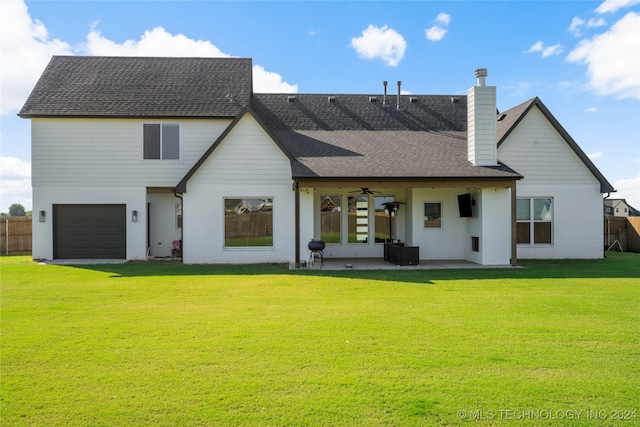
89 231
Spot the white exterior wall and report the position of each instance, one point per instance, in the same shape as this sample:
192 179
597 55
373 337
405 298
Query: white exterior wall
99 161
552 169
481 130
133 197
495 237
448 242
247 164
108 152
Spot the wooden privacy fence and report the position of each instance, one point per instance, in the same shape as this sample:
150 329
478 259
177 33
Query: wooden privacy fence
15 235
622 234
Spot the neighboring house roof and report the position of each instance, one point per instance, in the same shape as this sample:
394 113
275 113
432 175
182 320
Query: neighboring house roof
616 203
508 120
350 137
94 86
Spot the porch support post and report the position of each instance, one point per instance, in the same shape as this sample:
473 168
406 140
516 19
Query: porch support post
296 189
514 227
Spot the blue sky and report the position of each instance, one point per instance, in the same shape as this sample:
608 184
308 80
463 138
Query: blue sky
581 58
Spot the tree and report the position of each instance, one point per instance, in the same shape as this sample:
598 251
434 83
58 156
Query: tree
16 209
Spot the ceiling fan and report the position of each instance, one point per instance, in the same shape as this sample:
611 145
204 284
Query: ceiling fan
365 190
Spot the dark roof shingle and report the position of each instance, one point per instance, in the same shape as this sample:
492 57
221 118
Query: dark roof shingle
94 86
353 138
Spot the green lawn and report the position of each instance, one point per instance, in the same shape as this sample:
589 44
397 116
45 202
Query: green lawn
167 344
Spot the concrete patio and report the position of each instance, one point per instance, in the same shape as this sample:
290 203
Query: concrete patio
381 264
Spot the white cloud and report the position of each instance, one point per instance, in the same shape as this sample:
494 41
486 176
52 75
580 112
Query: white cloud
628 189
15 183
576 24
596 155
26 50
437 32
443 18
268 82
383 43
155 42
591 110
612 58
545 51
614 5
596 22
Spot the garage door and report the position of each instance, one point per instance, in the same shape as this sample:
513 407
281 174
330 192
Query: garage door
89 232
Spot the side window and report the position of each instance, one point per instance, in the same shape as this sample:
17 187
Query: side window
161 141
534 219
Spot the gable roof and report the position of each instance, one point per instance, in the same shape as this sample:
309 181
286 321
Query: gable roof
182 185
350 137
95 86
508 121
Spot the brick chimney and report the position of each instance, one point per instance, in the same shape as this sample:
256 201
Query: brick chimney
481 122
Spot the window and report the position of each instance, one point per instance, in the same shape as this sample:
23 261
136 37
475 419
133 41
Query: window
248 222
475 244
534 221
433 215
330 219
178 216
358 229
384 221
161 141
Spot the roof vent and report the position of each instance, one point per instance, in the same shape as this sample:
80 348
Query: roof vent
413 99
331 98
502 117
399 84
455 99
384 97
481 74
291 98
373 99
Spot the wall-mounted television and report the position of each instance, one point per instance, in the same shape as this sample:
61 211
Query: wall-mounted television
464 205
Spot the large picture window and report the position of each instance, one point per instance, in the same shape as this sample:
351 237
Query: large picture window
161 141
248 222
534 218
433 215
330 219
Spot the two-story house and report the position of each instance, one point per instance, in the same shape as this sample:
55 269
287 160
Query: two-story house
130 154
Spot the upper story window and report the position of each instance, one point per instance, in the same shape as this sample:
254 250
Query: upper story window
161 141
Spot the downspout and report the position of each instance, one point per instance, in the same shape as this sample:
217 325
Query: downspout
296 189
181 228
608 224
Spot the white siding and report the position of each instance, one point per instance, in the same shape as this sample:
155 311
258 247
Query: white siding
108 152
247 164
552 169
481 119
448 242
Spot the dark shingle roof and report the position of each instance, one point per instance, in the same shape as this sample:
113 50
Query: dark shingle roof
352 137
93 86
